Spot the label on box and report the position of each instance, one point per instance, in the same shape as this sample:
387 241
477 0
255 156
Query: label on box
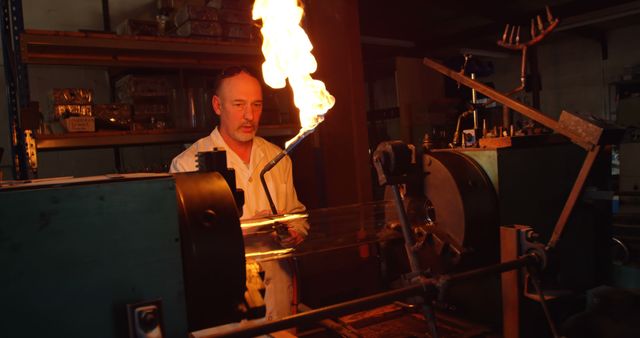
79 124
61 111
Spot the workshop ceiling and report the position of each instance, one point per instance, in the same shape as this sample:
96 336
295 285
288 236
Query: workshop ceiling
425 26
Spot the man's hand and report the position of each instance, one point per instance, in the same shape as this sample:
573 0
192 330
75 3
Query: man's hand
286 234
293 239
266 213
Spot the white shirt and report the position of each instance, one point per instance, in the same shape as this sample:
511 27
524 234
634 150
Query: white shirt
278 297
279 179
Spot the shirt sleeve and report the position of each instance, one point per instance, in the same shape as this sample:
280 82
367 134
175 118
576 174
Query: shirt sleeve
185 161
176 166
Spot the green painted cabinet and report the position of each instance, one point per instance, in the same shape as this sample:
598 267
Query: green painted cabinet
72 255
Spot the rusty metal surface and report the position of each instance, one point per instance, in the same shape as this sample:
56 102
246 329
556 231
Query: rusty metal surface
521 141
585 129
391 322
594 131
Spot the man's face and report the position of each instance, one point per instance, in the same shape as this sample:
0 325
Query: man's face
239 105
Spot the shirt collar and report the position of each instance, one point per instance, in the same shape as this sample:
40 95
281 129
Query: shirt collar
257 150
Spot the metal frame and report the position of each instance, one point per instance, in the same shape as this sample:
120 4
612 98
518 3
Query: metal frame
17 83
584 134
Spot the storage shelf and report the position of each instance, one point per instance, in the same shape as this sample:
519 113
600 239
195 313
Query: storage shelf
105 49
110 50
144 137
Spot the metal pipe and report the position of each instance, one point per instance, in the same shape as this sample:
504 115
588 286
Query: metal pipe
573 196
406 230
409 246
506 117
266 168
525 260
474 100
456 134
288 148
543 302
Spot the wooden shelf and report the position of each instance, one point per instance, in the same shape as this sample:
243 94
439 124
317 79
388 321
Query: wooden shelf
110 50
144 137
104 49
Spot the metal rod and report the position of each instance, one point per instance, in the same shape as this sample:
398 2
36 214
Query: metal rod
430 317
573 196
523 69
456 134
409 243
528 259
474 100
534 114
406 230
543 302
291 144
17 84
266 168
426 286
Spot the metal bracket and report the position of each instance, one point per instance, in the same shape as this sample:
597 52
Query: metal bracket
16 80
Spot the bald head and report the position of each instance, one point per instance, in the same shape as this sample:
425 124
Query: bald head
238 102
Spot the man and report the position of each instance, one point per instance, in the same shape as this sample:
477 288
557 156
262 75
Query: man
237 100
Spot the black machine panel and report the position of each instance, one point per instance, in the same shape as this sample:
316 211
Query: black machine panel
212 249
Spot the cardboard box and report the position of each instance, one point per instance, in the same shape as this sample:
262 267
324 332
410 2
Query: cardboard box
114 112
195 13
236 16
200 28
132 86
61 111
137 27
79 124
71 96
150 109
240 32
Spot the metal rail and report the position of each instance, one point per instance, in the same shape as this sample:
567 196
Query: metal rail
16 80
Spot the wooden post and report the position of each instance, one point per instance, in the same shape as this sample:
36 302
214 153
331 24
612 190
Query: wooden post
511 285
340 169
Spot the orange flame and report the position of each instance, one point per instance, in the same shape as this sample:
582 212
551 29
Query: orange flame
287 51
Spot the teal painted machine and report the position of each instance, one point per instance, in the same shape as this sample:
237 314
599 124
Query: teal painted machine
75 252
